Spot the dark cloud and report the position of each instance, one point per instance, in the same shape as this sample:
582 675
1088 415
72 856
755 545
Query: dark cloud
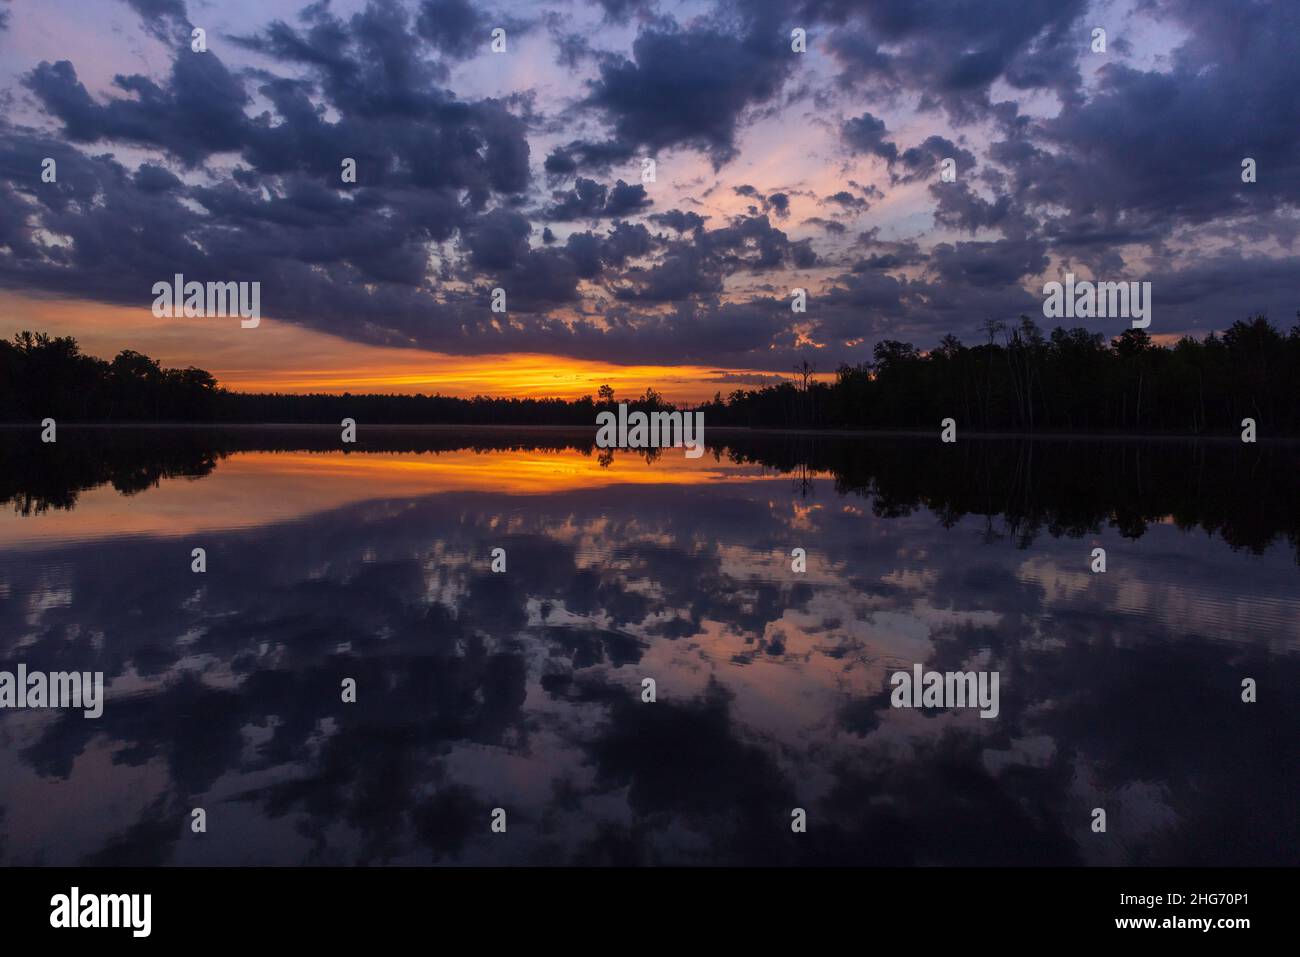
952 52
585 201
591 200
751 242
688 88
683 274
591 253
621 10
155 179
199 112
498 240
959 207
371 64
565 160
683 222
996 264
625 199
1137 153
776 203
156 9
167 20
866 134
831 226
453 27
849 201
626 241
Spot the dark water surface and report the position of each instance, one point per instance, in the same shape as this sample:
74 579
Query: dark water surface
522 690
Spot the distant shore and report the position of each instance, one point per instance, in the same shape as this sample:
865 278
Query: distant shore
721 429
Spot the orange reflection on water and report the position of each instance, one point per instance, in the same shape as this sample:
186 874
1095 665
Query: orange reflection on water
532 472
250 489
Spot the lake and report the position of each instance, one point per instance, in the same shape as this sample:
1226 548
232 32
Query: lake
523 689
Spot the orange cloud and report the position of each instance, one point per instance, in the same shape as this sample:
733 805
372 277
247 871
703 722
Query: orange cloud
283 357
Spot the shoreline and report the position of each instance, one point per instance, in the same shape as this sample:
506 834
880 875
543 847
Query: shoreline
726 430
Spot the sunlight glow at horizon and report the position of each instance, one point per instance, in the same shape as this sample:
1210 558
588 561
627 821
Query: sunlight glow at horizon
284 357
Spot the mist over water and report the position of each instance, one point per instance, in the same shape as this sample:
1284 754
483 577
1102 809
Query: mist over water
522 689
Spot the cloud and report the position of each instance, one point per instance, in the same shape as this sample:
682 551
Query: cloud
199 112
591 200
866 134
686 88
683 222
1137 150
226 165
453 27
952 52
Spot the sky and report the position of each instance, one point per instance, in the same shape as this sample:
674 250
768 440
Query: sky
526 170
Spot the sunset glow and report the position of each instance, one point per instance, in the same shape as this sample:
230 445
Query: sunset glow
283 357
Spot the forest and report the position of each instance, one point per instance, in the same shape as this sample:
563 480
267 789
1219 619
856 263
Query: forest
1017 379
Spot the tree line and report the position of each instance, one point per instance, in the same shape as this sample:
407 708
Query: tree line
1073 380
1017 379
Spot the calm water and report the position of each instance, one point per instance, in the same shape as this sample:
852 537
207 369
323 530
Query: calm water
522 690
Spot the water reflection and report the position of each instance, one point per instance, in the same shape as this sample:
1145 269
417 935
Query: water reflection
478 690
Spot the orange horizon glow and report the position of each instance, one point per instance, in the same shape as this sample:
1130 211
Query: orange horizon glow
283 357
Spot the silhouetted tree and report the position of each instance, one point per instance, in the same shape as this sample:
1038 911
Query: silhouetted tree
1016 380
